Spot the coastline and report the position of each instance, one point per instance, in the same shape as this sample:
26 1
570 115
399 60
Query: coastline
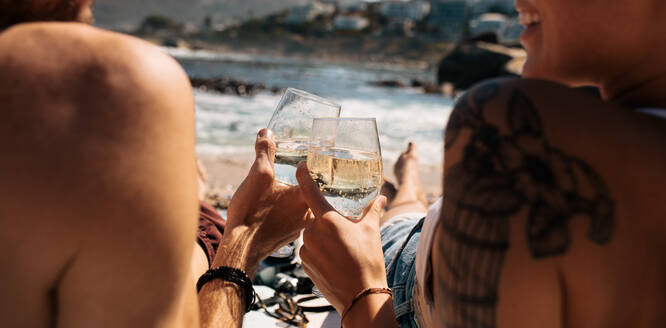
227 124
383 53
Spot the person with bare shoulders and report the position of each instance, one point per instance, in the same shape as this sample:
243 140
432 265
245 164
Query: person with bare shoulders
553 205
98 204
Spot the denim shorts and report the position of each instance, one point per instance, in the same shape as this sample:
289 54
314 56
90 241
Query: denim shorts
400 237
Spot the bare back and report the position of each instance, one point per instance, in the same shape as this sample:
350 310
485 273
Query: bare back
98 195
554 213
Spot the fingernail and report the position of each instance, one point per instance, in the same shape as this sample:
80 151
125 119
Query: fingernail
266 133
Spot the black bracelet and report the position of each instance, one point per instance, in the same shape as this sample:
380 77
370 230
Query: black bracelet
236 276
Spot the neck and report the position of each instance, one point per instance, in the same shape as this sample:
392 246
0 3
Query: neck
642 85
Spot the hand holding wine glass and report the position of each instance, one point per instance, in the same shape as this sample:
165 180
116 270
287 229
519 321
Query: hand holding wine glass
263 215
344 257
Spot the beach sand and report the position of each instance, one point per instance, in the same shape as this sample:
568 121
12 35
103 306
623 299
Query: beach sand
225 174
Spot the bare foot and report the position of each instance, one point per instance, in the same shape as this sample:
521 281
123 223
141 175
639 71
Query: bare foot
406 170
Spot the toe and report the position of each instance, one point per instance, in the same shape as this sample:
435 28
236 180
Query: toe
411 148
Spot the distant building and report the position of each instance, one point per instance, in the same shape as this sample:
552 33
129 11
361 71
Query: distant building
335 3
350 23
404 10
354 7
479 7
160 25
448 19
308 12
403 27
347 5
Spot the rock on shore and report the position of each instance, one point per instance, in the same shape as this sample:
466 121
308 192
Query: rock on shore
471 63
230 86
465 66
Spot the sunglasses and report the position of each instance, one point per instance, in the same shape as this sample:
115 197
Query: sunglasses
288 310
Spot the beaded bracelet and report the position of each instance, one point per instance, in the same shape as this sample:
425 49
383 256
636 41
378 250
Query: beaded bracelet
233 275
364 293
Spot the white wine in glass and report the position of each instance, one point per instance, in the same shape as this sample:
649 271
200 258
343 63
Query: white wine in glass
344 158
291 124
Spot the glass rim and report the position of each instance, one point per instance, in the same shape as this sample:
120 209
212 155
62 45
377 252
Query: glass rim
313 97
345 119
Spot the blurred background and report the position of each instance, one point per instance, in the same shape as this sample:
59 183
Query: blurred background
402 62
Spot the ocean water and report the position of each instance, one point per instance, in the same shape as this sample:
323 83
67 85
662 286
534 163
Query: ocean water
227 124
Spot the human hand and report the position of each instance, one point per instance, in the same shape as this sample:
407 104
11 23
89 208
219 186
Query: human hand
263 214
341 256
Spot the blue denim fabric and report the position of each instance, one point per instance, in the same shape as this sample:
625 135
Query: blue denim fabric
399 243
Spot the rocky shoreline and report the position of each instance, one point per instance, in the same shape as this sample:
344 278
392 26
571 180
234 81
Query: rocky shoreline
461 68
230 86
466 65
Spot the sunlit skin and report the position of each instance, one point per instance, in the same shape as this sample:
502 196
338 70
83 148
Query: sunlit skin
99 196
616 46
619 47
94 271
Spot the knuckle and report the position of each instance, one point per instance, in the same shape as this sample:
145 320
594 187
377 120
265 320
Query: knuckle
264 172
265 143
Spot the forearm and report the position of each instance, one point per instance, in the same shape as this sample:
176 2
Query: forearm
222 303
374 310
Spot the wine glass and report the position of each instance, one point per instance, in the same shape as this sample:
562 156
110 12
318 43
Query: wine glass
345 160
291 124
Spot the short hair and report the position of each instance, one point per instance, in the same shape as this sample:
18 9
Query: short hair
15 12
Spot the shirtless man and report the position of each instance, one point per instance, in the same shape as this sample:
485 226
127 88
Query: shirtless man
553 209
98 203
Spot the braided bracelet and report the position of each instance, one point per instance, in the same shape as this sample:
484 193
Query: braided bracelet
362 294
233 275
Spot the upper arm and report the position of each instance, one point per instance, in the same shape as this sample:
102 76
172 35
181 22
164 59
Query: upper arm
133 268
522 159
510 152
115 153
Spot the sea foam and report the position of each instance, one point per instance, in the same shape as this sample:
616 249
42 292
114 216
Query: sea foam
227 124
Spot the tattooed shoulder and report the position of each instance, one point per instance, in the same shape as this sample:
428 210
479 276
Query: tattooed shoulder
503 167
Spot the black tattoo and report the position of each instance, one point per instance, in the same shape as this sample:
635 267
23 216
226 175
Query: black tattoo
502 174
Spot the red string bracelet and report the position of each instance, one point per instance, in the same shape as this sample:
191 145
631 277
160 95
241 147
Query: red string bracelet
362 294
